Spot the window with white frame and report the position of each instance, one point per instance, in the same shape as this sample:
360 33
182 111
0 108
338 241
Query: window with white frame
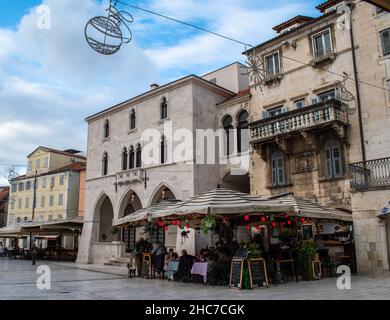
29 166
276 111
51 201
327 95
14 187
20 203
60 199
322 43
27 203
46 163
299 103
278 169
385 38
43 200
52 182
43 182
62 180
272 63
333 160
37 163
50 218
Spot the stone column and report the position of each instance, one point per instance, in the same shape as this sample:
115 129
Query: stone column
384 244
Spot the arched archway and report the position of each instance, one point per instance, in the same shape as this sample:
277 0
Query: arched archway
130 203
237 182
104 213
162 193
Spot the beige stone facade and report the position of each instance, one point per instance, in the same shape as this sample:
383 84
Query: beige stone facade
305 125
117 184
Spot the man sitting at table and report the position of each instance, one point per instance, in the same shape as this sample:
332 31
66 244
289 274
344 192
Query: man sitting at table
185 264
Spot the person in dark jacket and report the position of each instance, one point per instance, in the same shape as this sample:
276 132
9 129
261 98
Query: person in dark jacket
34 253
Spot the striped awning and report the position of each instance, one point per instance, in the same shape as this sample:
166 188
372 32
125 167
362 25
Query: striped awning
309 209
146 213
222 201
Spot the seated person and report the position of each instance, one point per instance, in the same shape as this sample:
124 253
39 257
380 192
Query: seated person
202 256
185 264
168 258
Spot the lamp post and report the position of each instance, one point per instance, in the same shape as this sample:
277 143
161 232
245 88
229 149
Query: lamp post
34 195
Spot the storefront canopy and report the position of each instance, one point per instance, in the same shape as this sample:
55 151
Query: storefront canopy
147 213
216 202
222 201
384 211
310 209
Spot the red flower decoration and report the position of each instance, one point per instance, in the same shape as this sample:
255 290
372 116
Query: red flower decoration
302 220
273 224
289 222
246 218
263 219
187 225
248 227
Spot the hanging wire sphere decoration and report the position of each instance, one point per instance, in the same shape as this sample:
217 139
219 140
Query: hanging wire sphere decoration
255 70
345 96
107 34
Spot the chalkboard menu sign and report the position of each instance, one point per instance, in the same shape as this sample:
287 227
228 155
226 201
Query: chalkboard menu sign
236 273
258 273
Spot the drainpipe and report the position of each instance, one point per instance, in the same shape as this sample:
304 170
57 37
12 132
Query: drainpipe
356 76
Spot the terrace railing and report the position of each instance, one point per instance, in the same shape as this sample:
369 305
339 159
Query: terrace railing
297 120
370 175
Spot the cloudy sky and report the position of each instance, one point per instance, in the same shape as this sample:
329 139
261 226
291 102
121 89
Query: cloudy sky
50 79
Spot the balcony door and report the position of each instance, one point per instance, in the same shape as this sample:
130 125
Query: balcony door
128 234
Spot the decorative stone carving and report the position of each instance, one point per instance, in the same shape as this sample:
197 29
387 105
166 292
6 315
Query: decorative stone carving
339 130
282 144
130 176
304 164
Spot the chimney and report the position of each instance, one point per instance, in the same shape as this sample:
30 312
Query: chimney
154 86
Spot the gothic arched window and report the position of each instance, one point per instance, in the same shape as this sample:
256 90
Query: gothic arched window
243 132
164 108
106 129
132 119
229 134
124 159
105 164
131 158
139 156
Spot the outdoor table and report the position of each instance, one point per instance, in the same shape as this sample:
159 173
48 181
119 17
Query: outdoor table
172 267
200 268
280 273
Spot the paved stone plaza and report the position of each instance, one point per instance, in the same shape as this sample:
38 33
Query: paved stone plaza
18 281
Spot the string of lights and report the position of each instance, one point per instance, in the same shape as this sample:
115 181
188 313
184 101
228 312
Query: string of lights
243 43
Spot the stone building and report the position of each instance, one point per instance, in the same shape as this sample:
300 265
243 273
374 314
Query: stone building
50 188
4 196
125 174
307 120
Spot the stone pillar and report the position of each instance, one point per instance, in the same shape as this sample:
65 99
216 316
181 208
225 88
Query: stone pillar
384 244
90 234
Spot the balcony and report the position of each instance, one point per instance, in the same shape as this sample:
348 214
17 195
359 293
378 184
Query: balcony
329 114
370 175
129 176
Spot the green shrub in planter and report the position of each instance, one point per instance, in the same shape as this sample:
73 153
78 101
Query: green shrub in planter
307 254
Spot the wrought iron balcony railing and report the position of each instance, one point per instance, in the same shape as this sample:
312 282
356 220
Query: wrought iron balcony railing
330 112
370 175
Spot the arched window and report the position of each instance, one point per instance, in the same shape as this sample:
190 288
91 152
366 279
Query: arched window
139 156
243 132
106 129
105 164
229 137
124 159
333 159
131 158
132 119
164 108
163 150
278 169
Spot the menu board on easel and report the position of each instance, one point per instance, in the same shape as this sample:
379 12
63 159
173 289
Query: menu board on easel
258 273
236 272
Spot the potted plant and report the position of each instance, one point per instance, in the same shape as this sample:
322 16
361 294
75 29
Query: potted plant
307 254
114 231
208 224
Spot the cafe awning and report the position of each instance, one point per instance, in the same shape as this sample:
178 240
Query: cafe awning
222 201
384 211
146 213
309 209
10 232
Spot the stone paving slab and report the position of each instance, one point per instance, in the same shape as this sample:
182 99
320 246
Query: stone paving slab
97 282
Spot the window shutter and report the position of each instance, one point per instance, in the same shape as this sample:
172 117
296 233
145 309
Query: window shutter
274 173
328 163
386 41
337 163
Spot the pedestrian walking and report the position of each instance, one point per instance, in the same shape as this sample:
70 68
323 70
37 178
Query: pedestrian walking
34 253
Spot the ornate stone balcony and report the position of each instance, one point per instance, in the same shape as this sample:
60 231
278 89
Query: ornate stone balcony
329 114
130 176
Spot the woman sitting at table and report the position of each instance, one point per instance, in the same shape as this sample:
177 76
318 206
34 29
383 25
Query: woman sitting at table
168 258
202 257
